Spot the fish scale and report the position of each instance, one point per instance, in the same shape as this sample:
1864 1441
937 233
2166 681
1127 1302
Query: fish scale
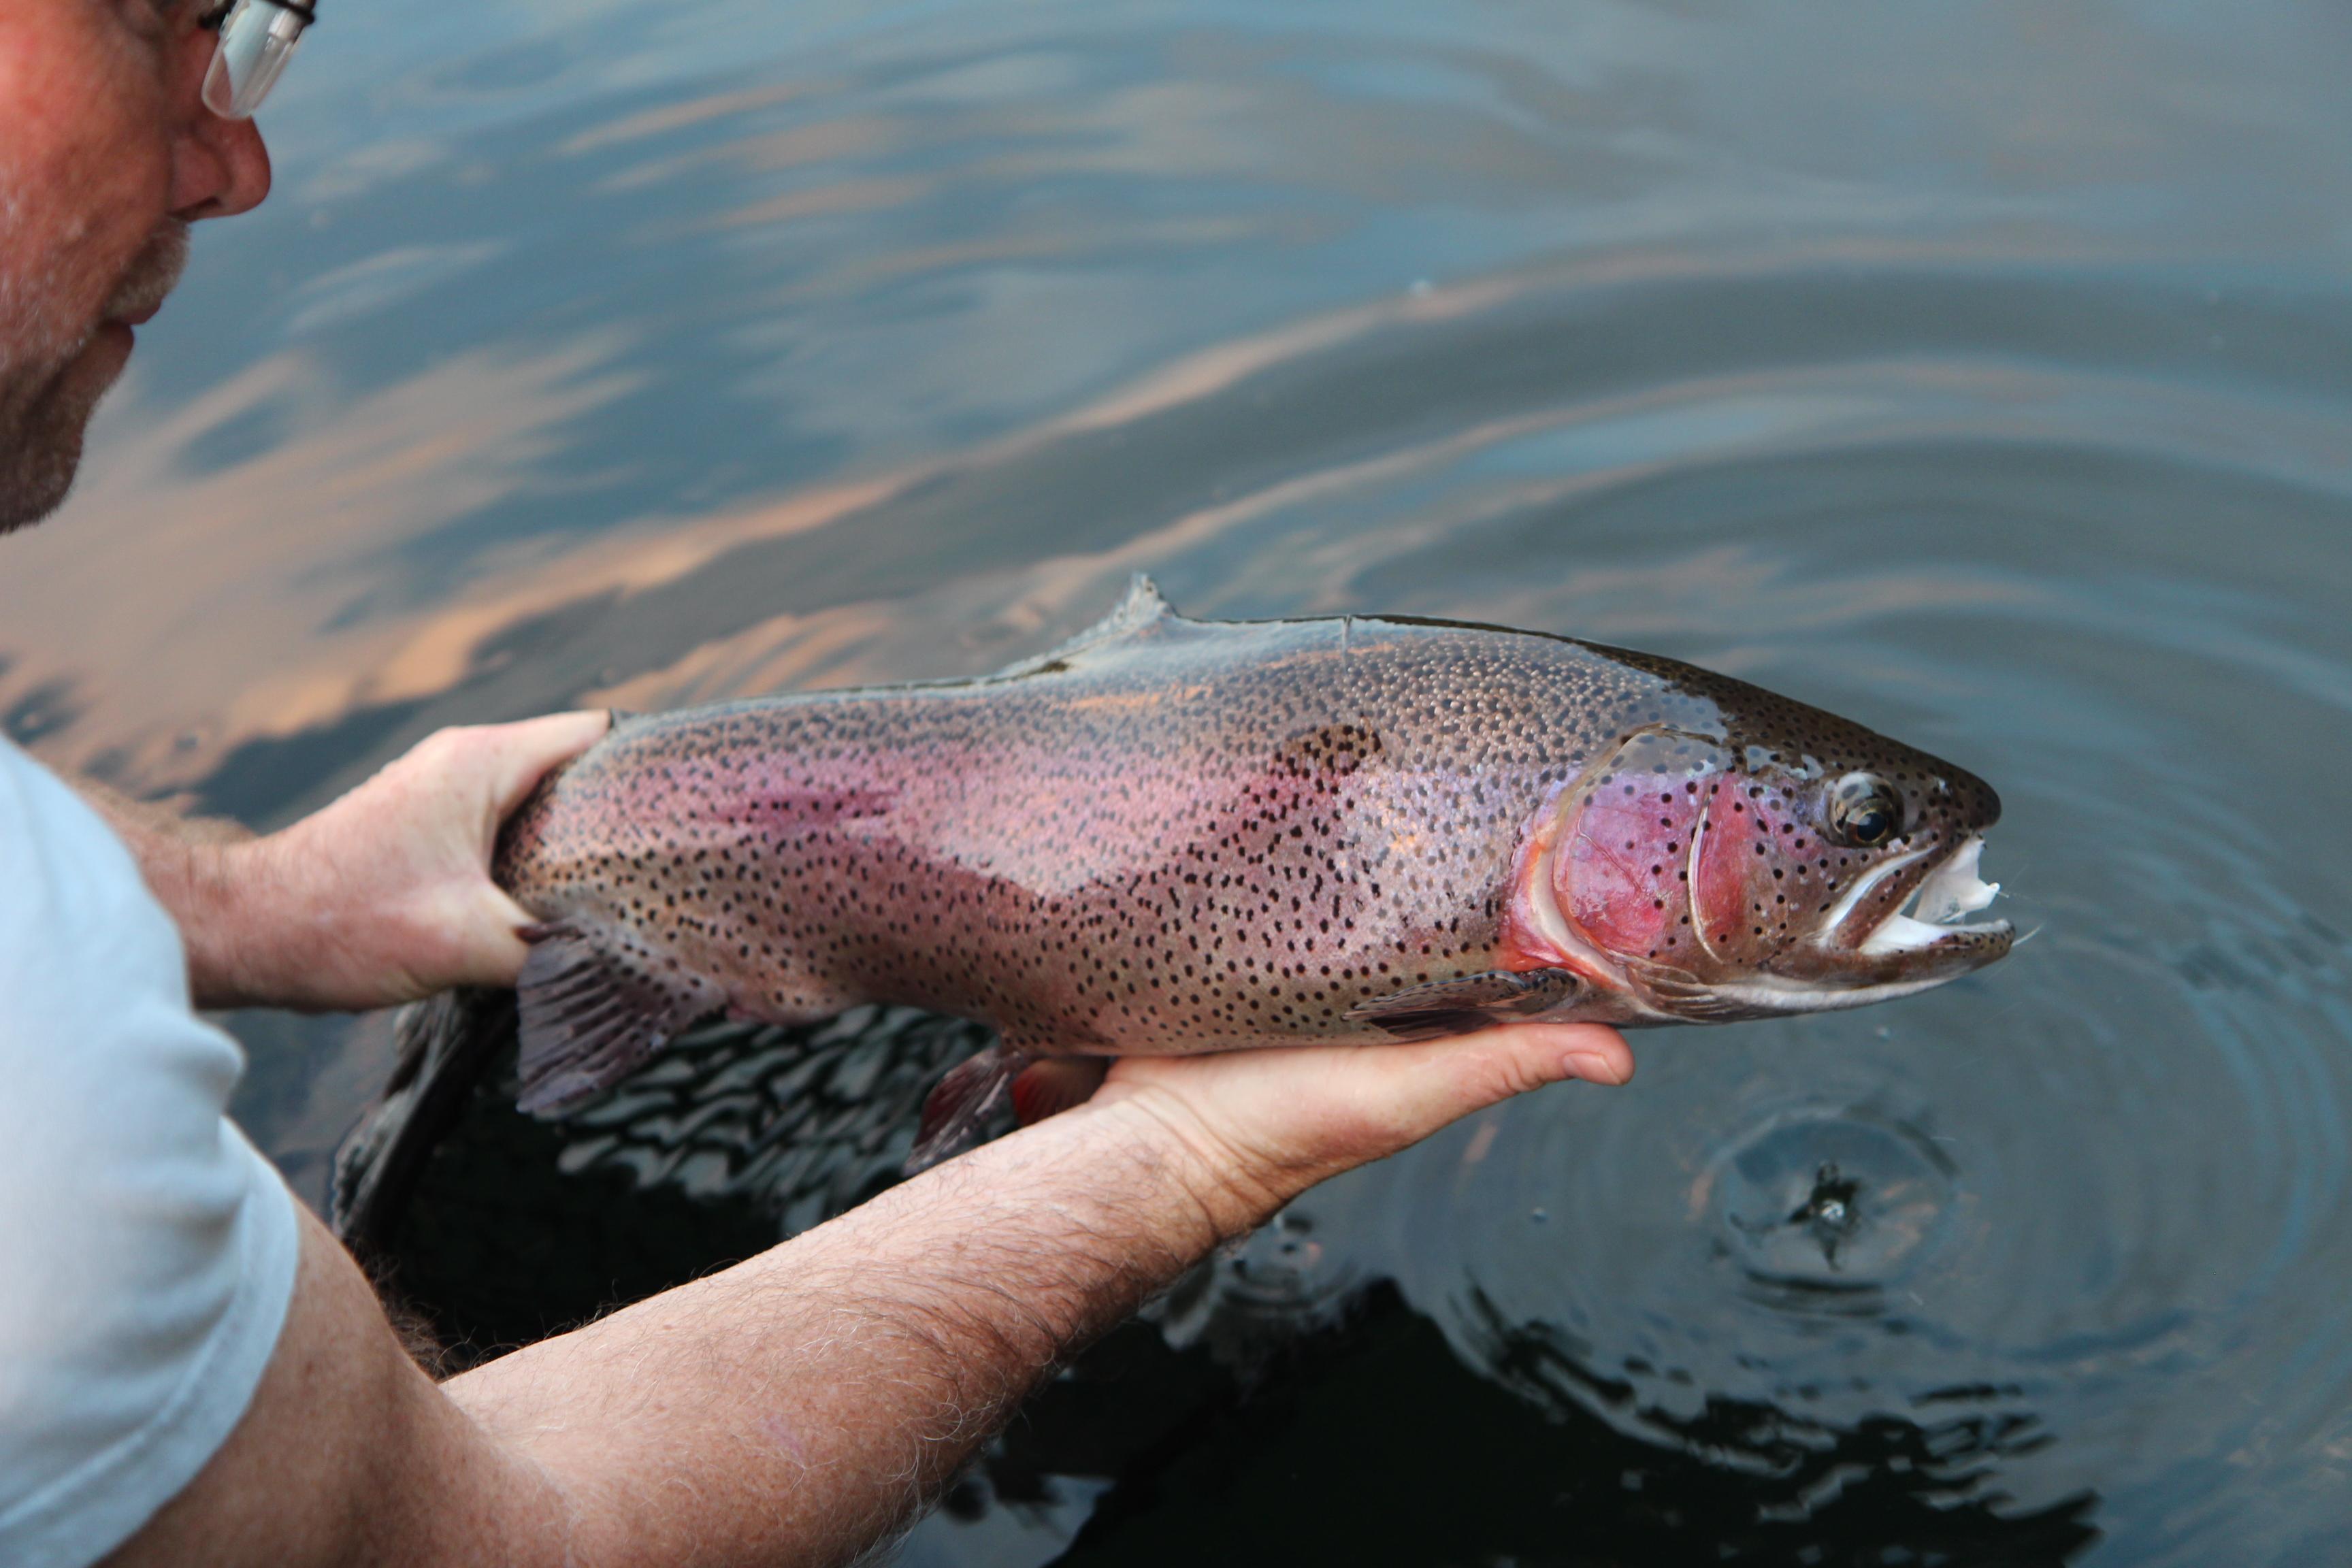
1167 837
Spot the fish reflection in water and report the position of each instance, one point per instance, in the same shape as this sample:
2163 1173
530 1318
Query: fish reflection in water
794 1125
1272 1369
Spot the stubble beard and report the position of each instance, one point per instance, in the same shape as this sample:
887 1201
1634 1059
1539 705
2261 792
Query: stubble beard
46 394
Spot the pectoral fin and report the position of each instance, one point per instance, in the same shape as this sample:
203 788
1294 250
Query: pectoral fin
1473 1002
590 1014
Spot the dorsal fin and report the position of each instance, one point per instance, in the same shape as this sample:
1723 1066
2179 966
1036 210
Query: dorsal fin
1142 608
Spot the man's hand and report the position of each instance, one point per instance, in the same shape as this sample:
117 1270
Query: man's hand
382 897
1258 1128
798 1406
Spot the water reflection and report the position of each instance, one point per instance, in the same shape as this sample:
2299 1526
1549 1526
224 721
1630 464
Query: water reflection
1292 1461
1983 374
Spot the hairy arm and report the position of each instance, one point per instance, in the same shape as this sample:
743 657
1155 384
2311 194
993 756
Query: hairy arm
801 1407
380 898
807 1403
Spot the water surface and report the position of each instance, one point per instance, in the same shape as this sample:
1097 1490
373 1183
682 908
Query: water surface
1982 373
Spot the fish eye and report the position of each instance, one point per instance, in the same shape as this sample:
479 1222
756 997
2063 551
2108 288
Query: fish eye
1865 811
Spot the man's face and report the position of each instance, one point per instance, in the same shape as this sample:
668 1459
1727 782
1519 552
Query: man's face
106 155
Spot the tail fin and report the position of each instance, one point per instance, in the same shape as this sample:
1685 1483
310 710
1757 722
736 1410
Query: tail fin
444 1045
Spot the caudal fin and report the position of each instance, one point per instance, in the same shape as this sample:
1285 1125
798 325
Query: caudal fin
443 1047
589 1014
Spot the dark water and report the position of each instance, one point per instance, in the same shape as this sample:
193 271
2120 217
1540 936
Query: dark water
1982 373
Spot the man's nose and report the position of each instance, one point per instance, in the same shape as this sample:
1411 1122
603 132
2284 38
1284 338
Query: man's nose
219 167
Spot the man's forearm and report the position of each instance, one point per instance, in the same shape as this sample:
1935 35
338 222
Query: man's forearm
801 1405
380 897
194 866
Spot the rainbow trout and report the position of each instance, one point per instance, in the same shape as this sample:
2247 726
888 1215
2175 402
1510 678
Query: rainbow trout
1179 836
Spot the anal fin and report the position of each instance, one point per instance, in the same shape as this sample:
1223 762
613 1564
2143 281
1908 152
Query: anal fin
1457 1006
958 1109
588 1016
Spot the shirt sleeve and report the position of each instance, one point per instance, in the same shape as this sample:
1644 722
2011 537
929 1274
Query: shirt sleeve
147 1250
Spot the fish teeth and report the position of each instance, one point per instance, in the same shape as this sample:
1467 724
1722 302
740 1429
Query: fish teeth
1901 933
1954 889
1934 910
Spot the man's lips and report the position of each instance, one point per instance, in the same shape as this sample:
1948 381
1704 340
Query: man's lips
150 279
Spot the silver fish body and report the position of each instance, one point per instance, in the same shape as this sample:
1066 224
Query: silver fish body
1176 835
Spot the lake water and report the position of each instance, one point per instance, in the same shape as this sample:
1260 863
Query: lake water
1981 373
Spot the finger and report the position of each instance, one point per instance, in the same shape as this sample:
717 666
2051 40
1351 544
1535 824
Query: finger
522 753
1424 1084
1274 1122
1432 1084
469 933
1591 1052
495 957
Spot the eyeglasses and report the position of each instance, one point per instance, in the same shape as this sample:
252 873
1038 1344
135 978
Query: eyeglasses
256 41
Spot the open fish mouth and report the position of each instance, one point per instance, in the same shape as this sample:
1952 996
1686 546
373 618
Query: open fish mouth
1933 917
1852 960
1924 942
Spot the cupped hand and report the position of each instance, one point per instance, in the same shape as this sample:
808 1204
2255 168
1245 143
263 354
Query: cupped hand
384 896
1258 1128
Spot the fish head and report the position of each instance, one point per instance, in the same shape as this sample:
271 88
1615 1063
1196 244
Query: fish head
1771 859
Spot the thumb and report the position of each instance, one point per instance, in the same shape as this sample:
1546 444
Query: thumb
522 755
526 751
1474 1071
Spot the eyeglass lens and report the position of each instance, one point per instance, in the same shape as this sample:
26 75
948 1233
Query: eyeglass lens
256 41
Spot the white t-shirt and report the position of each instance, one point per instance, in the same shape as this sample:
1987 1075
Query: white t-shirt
147 1250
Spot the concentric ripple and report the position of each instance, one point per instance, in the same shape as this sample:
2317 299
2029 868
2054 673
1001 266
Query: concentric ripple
2103 1184
2097 1193
1827 1211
